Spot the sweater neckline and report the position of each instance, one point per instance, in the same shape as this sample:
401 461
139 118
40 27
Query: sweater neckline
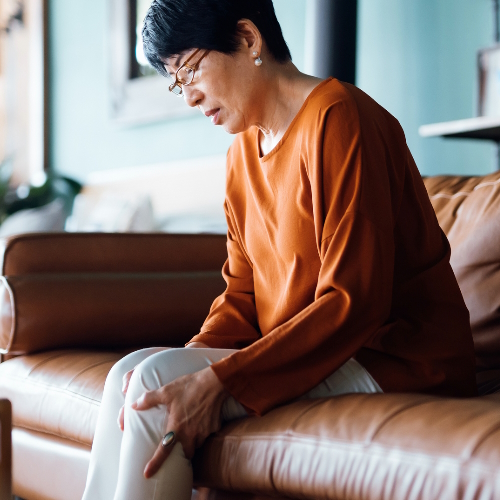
278 146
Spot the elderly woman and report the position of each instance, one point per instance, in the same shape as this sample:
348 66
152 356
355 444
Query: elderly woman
338 275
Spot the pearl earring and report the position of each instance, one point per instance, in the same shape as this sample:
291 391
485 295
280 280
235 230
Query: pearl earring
258 61
255 53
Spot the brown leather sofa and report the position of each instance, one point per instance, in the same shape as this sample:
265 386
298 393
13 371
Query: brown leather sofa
73 304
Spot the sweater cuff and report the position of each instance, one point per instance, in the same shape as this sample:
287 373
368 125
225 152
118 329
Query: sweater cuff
239 386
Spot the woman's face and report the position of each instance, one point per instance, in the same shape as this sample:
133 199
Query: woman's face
225 88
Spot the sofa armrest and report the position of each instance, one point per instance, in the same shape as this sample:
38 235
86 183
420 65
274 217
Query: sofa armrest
106 290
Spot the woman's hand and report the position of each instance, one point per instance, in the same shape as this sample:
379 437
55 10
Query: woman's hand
194 405
199 345
128 376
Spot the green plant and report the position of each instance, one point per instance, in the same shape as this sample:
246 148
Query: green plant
49 187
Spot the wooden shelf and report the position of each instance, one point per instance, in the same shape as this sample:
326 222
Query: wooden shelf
482 127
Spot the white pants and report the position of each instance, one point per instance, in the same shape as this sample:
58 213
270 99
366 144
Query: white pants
118 459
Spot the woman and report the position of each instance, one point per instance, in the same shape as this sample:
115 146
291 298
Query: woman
338 275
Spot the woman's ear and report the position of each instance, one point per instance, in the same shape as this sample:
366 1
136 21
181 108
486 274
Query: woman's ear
250 36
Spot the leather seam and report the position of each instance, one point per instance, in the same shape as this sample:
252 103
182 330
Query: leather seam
399 411
484 438
52 388
362 447
88 368
44 431
59 354
465 193
56 355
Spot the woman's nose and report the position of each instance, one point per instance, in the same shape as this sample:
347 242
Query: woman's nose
192 95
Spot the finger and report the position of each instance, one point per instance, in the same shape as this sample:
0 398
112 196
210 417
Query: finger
121 420
148 400
160 455
126 381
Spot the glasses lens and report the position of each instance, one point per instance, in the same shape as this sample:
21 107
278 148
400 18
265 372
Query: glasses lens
176 90
185 75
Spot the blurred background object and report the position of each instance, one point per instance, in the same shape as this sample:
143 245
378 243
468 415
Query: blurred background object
39 206
330 44
80 107
488 66
485 125
32 198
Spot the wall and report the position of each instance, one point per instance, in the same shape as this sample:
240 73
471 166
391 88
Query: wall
418 59
84 140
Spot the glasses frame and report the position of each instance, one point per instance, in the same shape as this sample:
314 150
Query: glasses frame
177 82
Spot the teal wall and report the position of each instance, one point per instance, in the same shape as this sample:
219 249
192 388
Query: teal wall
418 59
83 138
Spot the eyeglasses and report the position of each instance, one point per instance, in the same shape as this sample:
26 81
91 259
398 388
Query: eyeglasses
185 74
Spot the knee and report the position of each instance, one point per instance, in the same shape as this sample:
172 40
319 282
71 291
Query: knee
114 380
154 372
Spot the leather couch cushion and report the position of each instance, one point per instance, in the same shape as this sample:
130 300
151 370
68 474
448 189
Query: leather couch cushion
333 448
46 468
361 446
57 392
468 210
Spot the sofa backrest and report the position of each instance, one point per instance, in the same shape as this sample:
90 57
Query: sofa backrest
116 291
468 210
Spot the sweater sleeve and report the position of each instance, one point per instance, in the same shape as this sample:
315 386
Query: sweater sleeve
354 291
232 321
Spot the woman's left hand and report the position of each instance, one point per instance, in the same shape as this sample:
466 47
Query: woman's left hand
194 405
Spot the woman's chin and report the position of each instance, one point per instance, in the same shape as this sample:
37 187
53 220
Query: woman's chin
232 128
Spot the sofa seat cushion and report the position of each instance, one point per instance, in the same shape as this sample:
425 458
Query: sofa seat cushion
57 392
361 446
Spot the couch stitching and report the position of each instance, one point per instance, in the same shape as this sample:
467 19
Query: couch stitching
450 196
360 447
44 361
409 406
58 355
43 431
89 368
465 193
483 438
55 389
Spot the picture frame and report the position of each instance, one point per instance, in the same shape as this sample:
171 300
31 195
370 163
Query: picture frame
135 99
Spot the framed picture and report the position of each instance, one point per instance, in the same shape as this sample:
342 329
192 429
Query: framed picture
138 93
489 81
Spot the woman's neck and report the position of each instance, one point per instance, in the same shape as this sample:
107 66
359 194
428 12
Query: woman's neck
286 91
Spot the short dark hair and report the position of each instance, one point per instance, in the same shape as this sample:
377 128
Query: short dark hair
174 26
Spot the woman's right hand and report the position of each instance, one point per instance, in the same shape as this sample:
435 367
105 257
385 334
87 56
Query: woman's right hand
126 382
128 376
197 345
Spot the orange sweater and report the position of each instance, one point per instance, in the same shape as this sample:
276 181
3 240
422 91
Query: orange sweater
334 251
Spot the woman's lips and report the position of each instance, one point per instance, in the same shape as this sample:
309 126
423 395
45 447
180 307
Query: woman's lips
214 114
